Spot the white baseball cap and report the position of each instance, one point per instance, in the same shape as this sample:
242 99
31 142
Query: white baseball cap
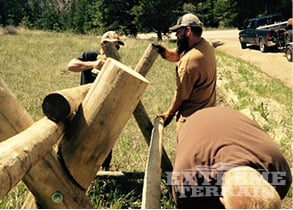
187 20
111 36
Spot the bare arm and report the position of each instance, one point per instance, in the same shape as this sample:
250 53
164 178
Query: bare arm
76 65
172 55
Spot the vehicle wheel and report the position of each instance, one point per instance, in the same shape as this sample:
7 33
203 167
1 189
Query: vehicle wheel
243 45
262 46
289 54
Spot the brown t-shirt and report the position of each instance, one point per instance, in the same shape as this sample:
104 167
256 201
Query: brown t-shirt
196 78
211 141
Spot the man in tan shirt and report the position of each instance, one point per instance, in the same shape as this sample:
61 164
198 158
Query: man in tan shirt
195 70
218 142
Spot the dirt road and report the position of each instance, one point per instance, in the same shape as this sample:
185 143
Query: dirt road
273 64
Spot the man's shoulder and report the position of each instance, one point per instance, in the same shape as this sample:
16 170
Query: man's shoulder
88 55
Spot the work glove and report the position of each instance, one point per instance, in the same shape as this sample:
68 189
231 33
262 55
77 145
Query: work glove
167 117
160 49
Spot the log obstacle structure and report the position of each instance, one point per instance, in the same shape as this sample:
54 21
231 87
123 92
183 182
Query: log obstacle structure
85 128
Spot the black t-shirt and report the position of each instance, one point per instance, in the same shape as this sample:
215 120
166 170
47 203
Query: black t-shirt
88 76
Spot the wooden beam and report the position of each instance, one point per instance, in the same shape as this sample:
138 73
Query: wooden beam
61 104
151 194
48 175
140 114
13 116
102 115
20 152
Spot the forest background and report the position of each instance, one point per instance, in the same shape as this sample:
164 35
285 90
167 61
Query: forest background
130 17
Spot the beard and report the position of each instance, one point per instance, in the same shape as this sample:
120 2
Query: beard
182 45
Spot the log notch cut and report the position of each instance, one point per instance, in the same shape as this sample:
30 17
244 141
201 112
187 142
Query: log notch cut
13 116
151 193
100 119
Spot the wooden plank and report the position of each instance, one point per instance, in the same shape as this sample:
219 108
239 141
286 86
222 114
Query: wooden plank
20 152
152 181
103 114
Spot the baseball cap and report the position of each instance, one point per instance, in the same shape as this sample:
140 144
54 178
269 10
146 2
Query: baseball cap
187 20
111 36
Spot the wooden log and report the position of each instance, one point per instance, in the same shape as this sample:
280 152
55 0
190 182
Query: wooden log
140 114
20 152
151 193
13 116
147 60
111 51
103 114
53 187
43 187
61 104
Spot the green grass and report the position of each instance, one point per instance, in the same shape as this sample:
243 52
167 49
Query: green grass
33 63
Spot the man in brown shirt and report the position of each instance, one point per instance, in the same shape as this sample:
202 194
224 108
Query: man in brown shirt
195 70
212 142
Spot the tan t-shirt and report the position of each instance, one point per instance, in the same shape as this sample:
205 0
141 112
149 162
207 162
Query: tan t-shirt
196 78
213 140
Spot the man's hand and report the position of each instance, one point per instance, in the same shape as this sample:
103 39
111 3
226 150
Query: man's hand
160 49
167 117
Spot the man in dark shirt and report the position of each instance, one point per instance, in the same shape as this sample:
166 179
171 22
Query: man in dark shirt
90 63
216 140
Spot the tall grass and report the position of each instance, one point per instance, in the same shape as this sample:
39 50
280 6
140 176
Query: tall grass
33 63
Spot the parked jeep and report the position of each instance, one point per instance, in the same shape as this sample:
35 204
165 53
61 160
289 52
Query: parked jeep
262 31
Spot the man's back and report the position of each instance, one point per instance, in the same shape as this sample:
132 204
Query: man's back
215 139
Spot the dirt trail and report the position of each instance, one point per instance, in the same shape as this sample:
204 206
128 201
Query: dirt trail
273 64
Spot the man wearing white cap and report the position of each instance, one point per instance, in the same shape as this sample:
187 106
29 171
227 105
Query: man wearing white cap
89 63
195 70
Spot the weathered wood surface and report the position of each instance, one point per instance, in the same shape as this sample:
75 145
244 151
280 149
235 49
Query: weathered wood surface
20 152
140 114
61 104
49 174
111 51
41 179
13 116
100 119
151 194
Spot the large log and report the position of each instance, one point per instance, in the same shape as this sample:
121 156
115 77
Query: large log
151 193
100 119
61 104
20 152
13 116
41 179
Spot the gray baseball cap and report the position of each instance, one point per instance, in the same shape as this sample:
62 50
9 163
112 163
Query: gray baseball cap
187 20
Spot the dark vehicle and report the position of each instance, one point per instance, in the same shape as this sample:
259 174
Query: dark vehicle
262 31
285 39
